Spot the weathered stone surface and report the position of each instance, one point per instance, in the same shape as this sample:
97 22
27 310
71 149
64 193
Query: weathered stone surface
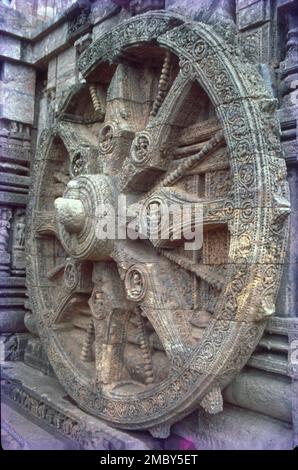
251 12
12 320
19 433
139 127
30 323
10 47
165 109
47 45
257 44
101 11
50 8
66 70
191 8
35 356
202 10
43 398
52 73
104 26
13 346
236 429
13 199
14 22
264 393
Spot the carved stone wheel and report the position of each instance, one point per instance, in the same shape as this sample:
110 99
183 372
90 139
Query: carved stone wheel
141 332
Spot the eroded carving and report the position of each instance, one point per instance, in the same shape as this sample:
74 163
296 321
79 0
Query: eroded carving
151 322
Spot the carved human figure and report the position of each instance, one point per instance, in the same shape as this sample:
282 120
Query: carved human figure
163 374
20 229
78 165
141 148
14 127
153 219
98 299
106 138
41 410
136 283
5 216
70 275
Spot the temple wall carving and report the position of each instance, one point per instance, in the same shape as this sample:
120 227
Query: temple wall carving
99 100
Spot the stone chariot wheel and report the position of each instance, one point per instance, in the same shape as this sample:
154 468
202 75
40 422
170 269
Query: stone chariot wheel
139 329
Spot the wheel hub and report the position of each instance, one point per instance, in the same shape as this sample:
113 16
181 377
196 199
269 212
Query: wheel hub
139 333
82 213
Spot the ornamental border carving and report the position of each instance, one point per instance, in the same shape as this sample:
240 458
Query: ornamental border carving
258 229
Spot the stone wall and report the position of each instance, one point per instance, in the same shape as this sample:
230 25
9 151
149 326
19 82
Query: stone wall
39 46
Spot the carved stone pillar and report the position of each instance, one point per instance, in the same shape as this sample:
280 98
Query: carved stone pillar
288 116
16 120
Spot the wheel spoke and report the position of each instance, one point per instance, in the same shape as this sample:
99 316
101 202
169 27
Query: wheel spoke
73 291
204 272
196 133
65 300
110 340
161 301
129 100
216 161
52 273
215 142
81 146
151 149
172 103
181 216
168 323
86 352
110 316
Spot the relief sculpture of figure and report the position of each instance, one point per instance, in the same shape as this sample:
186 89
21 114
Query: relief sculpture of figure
4 228
20 229
141 329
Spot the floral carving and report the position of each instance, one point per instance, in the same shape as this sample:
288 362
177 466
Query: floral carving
143 324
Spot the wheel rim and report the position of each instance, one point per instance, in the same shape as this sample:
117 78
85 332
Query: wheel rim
254 212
